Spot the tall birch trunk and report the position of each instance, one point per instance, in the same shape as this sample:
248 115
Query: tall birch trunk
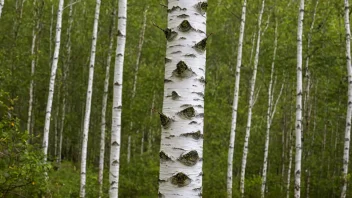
251 102
64 78
89 100
298 124
235 102
117 100
346 151
182 117
270 114
52 80
289 168
2 3
33 62
104 104
140 46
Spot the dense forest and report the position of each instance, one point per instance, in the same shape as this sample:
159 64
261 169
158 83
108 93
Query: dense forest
175 98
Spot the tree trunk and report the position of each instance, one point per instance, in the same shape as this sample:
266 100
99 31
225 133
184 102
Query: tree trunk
104 104
2 3
52 80
346 147
289 168
251 103
64 79
117 101
89 100
298 124
235 103
270 114
182 118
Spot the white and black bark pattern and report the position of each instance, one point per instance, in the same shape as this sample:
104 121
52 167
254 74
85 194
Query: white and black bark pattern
235 102
270 115
139 53
117 100
289 169
52 80
64 78
182 117
298 124
346 150
251 102
89 100
2 2
104 104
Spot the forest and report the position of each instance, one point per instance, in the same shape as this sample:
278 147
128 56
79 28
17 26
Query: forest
175 98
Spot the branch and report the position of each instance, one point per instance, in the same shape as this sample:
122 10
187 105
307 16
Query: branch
71 4
277 100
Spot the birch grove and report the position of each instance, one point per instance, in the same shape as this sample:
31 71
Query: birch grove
235 102
181 148
251 102
346 151
298 124
52 79
89 100
117 100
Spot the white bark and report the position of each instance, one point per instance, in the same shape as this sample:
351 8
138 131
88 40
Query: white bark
140 46
52 80
129 150
289 170
346 151
2 2
235 103
251 103
89 100
104 104
142 142
65 74
33 62
270 115
117 101
182 118
150 133
298 124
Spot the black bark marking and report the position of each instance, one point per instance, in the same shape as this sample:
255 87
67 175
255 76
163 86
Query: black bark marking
164 157
180 179
185 26
187 113
189 158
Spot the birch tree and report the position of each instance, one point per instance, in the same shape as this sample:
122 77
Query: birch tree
298 124
89 100
270 114
33 60
235 103
52 79
251 102
64 79
181 149
2 2
346 151
117 100
104 104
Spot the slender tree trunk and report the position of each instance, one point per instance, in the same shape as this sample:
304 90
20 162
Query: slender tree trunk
117 100
298 124
89 100
140 46
2 3
51 31
104 104
182 118
289 169
52 80
346 151
235 103
150 133
270 114
251 103
64 79
142 142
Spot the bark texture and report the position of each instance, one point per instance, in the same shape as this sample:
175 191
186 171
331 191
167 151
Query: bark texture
346 151
182 116
298 124
117 100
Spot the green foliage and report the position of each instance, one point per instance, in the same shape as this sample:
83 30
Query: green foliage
21 163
